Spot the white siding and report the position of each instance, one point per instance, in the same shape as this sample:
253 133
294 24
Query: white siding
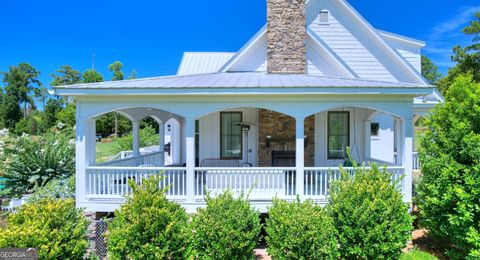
254 59
347 41
382 146
209 127
410 52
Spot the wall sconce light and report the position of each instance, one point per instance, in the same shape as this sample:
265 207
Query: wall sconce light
268 140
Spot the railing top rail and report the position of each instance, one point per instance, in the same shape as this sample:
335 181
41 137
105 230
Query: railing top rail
245 168
352 168
135 168
130 158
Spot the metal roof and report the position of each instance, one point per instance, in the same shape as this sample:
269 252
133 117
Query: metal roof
203 62
241 80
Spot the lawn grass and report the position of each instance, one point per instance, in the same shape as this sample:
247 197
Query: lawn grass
105 150
417 254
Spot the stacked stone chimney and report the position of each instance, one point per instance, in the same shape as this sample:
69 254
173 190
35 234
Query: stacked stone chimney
286 33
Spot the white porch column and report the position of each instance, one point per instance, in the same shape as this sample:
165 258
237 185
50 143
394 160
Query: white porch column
136 138
398 140
85 155
299 154
368 139
190 157
161 135
407 156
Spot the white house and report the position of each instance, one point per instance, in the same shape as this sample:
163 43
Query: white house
276 117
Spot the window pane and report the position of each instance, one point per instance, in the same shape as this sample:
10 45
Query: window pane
338 134
231 135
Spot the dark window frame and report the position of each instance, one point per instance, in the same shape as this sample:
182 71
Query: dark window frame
221 136
375 129
328 134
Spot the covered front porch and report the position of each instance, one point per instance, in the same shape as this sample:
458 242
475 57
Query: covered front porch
265 150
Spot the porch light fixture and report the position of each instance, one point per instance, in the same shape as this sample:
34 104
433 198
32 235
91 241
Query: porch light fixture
268 140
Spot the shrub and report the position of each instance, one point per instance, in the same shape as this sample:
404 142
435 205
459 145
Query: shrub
55 227
369 214
148 226
300 230
449 192
33 161
228 228
56 189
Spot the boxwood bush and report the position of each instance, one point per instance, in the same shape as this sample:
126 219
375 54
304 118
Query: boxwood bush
300 230
372 220
55 227
148 226
228 228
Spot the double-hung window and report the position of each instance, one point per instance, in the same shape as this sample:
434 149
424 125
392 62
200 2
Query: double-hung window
338 134
231 135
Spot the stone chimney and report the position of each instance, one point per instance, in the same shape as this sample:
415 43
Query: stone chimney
286 33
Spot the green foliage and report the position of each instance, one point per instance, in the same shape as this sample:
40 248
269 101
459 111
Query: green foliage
53 107
148 137
148 226
467 58
450 155
28 162
67 115
56 189
33 124
113 123
22 83
430 70
133 75
369 213
417 255
228 228
11 112
116 69
300 230
55 227
92 76
66 76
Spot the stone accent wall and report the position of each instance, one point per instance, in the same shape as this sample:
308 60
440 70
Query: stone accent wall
282 129
286 33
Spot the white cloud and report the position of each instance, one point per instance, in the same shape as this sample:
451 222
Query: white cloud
447 34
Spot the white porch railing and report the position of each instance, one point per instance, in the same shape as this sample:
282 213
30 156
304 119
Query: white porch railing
112 182
416 162
262 183
147 160
319 179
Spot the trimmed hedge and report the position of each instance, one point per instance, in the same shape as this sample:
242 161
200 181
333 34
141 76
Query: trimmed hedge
228 228
148 226
368 211
55 227
300 230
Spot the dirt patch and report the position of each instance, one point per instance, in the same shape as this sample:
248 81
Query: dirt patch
422 241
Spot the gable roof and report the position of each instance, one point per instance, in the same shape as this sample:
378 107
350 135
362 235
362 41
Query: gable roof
407 70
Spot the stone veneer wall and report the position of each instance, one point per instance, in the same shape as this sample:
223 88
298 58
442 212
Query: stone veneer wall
282 129
286 33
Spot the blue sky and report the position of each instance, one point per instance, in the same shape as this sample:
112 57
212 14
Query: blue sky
150 36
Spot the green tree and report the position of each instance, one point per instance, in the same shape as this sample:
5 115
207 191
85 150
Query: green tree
53 107
22 84
116 69
467 58
67 115
92 76
11 112
42 95
66 75
449 192
133 75
430 70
